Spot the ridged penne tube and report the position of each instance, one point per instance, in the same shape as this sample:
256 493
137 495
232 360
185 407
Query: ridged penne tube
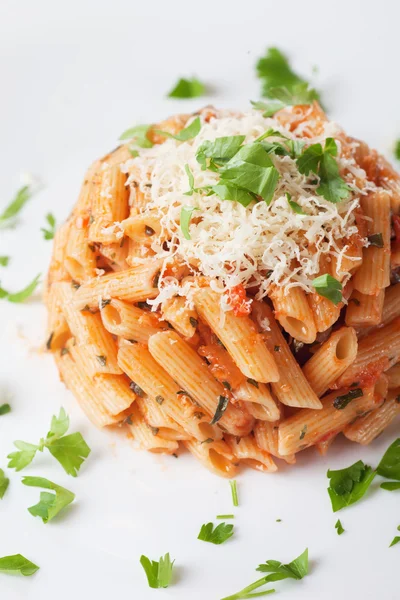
377 352
80 257
292 388
142 228
137 362
57 270
109 206
115 254
91 181
331 360
146 436
393 375
130 322
190 371
181 317
118 156
365 429
88 395
58 331
374 272
258 411
365 310
239 336
323 446
325 313
294 313
215 456
266 435
308 427
391 308
95 364
258 393
98 348
136 284
166 427
249 453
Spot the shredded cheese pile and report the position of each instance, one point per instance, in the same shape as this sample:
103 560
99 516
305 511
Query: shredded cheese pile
258 245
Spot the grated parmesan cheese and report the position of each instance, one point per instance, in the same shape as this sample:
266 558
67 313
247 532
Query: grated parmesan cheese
258 245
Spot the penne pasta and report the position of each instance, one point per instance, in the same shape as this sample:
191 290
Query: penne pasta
363 310
246 451
147 436
251 392
130 322
217 457
239 336
365 429
331 360
267 438
293 312
292 388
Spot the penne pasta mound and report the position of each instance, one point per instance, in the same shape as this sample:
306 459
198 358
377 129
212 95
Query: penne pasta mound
227 283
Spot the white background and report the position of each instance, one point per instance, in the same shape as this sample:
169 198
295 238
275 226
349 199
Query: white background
73 75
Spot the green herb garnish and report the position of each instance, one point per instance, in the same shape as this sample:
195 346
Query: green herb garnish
158 574
328 287
219 152
18 564
4 260
48 234
389 466
396 539
187 88
293 205
390 486
376 239
138 135
225 516
235 497
50 504
24 294
69 450
219 535
21 198
4 481
339 527
221 408
4 409
342 401
297 569
185 134
186 215
349 485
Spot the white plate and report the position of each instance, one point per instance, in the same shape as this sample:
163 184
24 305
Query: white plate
72 76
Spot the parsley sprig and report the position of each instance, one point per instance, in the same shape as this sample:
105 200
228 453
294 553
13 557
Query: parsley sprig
187 88
49 233
159 574
138 136
23 294
4 482
50 504
7 217
69 450
188 133
297 569
218 535
322 162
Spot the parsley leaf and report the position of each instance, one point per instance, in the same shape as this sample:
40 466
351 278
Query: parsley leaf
4 409
187 88
376 239
396 539
17 297
50 504
341 402
158 574
18 564
227 191
275 72
253 170
322 162
219 535
185 134
225 516
397 149
21 198
349 485
270 106
339 527
138 135
235 498
293 205
219 151
186 215
69 450
328 287
4 481
4 260
391 486
297 569
48 234
389 466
